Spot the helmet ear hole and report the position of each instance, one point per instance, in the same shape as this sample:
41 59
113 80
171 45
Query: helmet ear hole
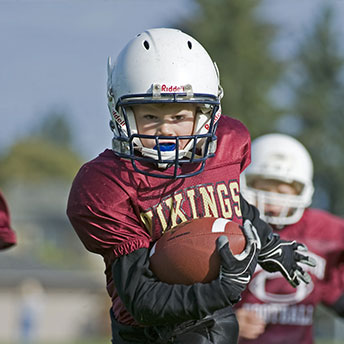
113 126
189 45
146 45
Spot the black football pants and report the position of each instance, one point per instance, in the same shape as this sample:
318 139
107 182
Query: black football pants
219 328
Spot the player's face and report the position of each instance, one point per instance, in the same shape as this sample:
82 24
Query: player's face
276 186
165 120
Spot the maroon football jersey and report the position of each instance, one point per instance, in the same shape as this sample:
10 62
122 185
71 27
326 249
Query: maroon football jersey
7 235
289 311
115 210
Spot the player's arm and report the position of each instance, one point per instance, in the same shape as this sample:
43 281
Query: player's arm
152 302
249 212
333 284
338 306
277 254
7 238
7 235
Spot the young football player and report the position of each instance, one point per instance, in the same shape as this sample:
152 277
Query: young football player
279 183
7 235
164 99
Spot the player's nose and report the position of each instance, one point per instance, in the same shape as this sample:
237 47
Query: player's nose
165 129
272 209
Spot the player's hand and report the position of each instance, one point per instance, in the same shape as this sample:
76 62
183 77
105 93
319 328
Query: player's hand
236 270
284 256
251 325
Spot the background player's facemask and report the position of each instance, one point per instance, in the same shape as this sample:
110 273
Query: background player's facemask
282 158
291 207
164 66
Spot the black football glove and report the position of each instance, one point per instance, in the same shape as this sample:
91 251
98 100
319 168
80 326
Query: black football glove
236 270
281 255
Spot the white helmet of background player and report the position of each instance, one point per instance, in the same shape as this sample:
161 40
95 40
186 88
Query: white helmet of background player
164 66
282 158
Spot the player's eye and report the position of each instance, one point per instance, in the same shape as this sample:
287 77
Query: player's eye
178 118
150 118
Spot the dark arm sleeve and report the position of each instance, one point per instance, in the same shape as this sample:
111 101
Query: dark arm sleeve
250 212
338 306
152 302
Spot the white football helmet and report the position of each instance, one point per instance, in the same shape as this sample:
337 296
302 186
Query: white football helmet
282 158
164 66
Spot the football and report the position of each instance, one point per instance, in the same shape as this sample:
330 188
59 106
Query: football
187 253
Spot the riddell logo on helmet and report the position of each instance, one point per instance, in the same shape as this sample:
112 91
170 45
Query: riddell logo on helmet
217 116
165 88
118 118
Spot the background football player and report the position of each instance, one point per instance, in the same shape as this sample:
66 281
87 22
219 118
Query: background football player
7 235
164 99
279 183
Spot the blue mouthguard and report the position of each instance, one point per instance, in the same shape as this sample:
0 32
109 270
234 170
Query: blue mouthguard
164 147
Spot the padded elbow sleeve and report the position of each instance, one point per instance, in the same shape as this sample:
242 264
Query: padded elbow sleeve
152 302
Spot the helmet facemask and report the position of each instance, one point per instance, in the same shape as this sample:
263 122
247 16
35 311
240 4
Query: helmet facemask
201 144
291 207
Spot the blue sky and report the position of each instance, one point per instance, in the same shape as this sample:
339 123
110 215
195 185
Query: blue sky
53 56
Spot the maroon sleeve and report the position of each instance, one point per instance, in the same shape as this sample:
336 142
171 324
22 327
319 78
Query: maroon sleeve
246 149
101 212
333 288
333 283
234 141
7 235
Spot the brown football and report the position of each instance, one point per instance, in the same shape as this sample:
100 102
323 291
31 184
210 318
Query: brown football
187 253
